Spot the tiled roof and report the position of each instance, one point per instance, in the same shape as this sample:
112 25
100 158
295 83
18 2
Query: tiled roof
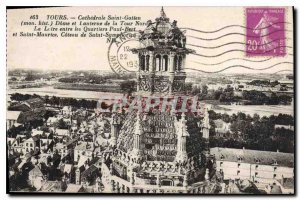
52 119
66 108
84 146
20 107
29 140
276 189
252 156
159 137
60 146
289 127
35 102
288 182
36 171
13 115
73 188
220 123
68 168
63 132
91 169
36 132
82 161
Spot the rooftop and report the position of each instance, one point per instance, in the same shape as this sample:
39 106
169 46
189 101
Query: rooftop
159 135
254 156
73 188
34 102
12 115
162 33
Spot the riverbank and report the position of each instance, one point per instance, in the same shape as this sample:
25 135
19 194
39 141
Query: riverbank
67 93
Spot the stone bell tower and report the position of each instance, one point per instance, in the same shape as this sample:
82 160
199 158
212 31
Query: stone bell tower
162 56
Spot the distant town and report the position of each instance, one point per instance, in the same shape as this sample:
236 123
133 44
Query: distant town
57 142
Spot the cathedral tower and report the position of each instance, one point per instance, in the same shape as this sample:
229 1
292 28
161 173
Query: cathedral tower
162 56
158 150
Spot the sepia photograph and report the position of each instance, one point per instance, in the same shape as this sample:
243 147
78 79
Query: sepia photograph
150 100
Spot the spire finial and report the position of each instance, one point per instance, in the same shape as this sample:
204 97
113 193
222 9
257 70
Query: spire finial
162 12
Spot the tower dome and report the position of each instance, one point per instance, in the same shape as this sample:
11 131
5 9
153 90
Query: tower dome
163 32
162 56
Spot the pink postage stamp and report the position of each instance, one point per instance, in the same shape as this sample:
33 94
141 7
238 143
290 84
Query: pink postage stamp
265 35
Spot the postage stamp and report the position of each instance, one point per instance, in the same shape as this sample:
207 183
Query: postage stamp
265 31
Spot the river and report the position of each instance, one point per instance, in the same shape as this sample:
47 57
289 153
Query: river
262 110
50 91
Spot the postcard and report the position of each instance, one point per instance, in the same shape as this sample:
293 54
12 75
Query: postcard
150 100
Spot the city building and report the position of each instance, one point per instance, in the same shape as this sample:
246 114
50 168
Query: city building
221 128
12 119
262 167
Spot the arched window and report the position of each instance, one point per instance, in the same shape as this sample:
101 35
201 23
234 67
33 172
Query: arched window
147 62
167 182
157 62
165 63
142 63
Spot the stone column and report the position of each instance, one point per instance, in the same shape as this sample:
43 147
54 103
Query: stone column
138 81
206 174
182 134
152 71
77 178
183 62
114 126
171 63
158 180
112 182
151 60
185 183
118 187
171 72
123 188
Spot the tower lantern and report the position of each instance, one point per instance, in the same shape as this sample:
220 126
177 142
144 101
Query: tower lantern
162 56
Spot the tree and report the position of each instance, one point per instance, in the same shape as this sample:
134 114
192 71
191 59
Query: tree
218 93
188 87
274 100
227 95
256 97
30 77
204 90
46 99
62 124
225 118
128 86
196 90
284 99
54 101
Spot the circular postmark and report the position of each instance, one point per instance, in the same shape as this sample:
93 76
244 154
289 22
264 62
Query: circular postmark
120 57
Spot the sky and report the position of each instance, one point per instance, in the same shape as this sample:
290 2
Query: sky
91 53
